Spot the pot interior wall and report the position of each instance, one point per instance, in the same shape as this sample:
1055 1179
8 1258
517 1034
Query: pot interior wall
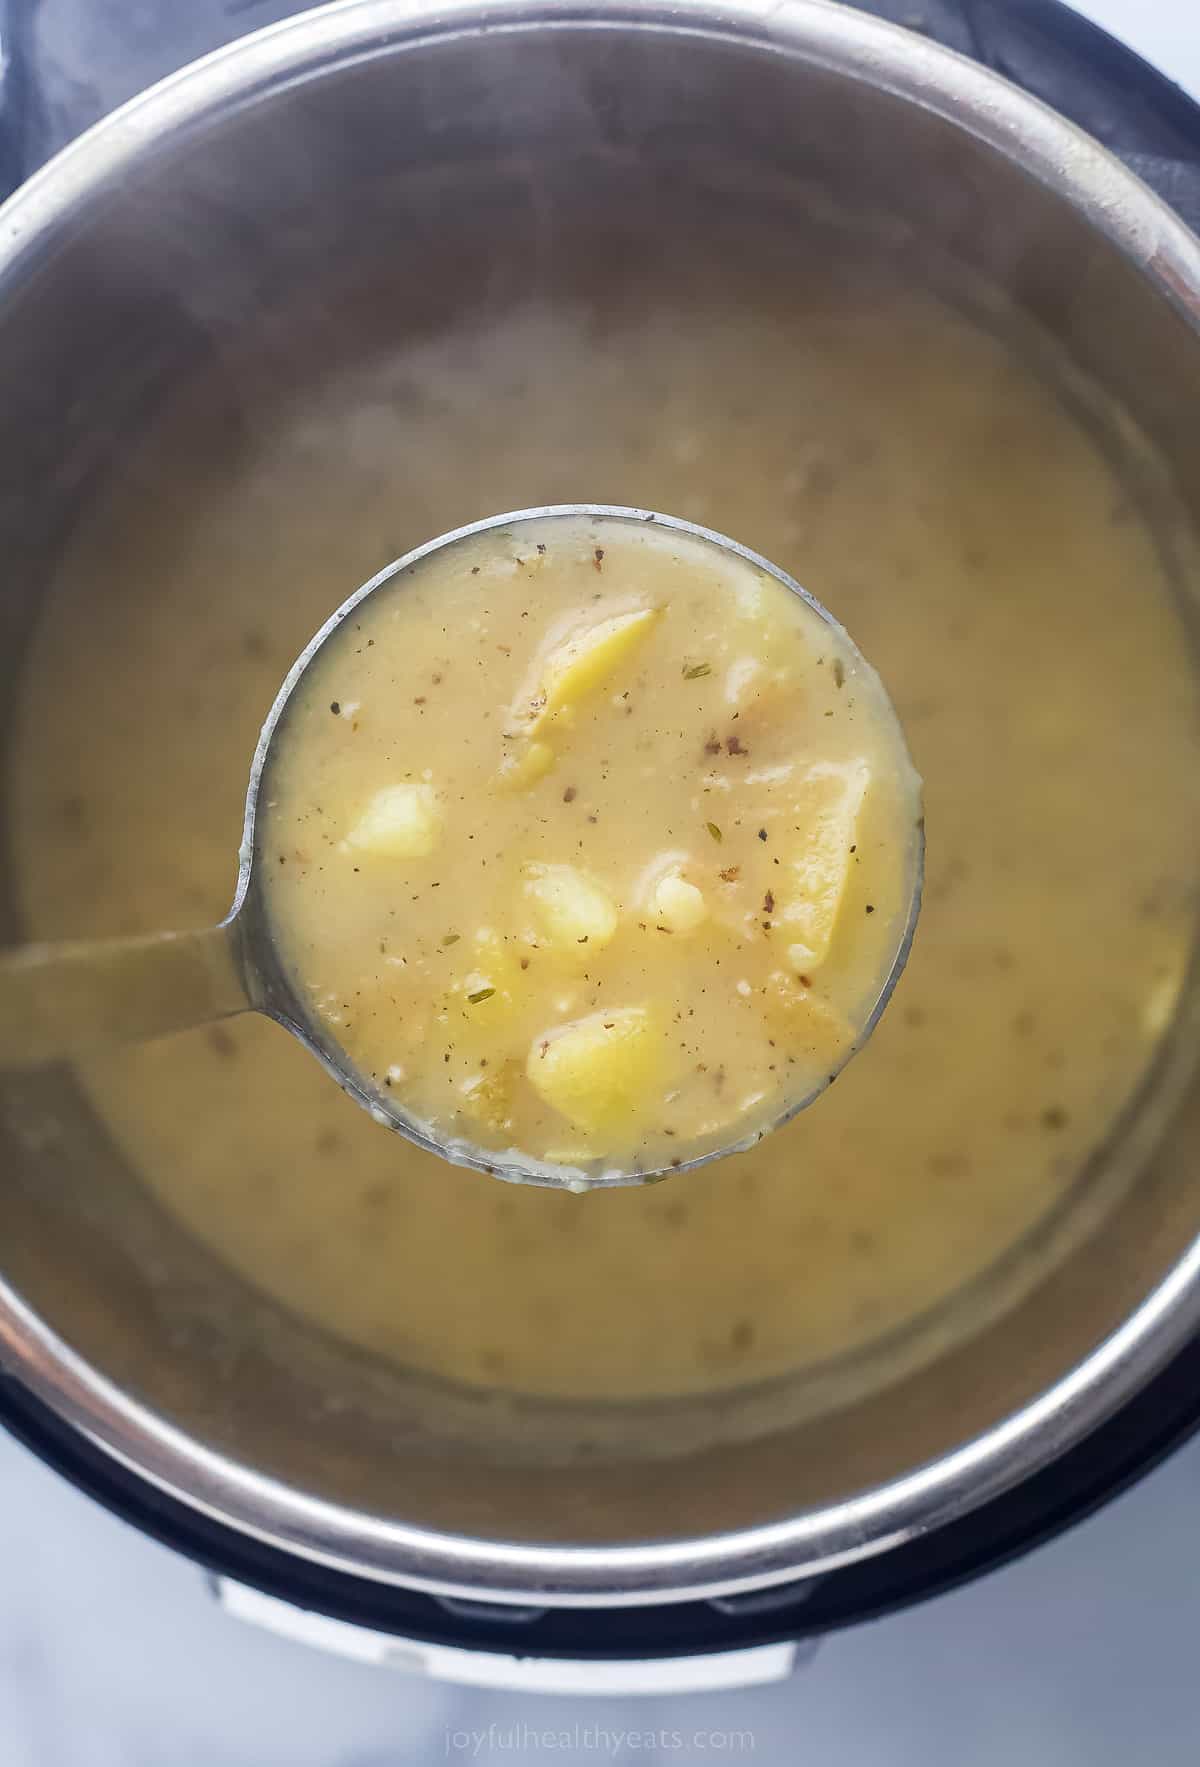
399 196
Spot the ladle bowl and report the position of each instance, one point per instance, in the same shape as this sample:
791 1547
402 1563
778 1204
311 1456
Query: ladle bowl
66 1000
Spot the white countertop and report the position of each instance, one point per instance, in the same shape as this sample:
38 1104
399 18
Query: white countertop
114 1654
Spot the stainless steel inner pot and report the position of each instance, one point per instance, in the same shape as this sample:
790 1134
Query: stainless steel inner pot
382 140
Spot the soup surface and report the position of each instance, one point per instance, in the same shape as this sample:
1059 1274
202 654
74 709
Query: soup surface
491 858
909 468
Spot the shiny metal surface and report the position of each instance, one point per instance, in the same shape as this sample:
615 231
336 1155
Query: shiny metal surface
966 164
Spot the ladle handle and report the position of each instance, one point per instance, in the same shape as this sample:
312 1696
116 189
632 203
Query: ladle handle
64 1000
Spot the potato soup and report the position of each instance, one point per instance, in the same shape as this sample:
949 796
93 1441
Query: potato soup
910 461
589 841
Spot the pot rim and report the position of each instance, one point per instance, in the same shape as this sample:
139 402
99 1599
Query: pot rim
1146 231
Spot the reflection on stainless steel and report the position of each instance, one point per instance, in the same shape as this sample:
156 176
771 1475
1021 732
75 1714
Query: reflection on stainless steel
108 282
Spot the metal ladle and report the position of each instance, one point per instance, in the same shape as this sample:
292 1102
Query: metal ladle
62 1001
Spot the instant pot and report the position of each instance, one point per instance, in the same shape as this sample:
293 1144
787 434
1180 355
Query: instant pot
975 124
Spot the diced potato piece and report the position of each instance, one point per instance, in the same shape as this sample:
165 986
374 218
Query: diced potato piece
679 905
400 822
527 763
744 675
601 1073
829 799
577 1154
755 688
488 1096
581 664
572 908
806 1021
770 624
751 590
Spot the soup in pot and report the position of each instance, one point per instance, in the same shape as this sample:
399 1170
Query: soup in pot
923 477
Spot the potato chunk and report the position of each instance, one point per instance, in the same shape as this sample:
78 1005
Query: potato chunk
525 765
808 1022
768 629
571 907
399 822
678 904
581 664
602 1072
488 1096
829 800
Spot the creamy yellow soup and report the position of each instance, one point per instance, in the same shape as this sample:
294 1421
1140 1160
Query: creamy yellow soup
918 474
589 842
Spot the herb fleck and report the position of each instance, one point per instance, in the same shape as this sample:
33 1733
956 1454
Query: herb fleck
480 994
694 671
714 831
839 672
335 707
451 939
